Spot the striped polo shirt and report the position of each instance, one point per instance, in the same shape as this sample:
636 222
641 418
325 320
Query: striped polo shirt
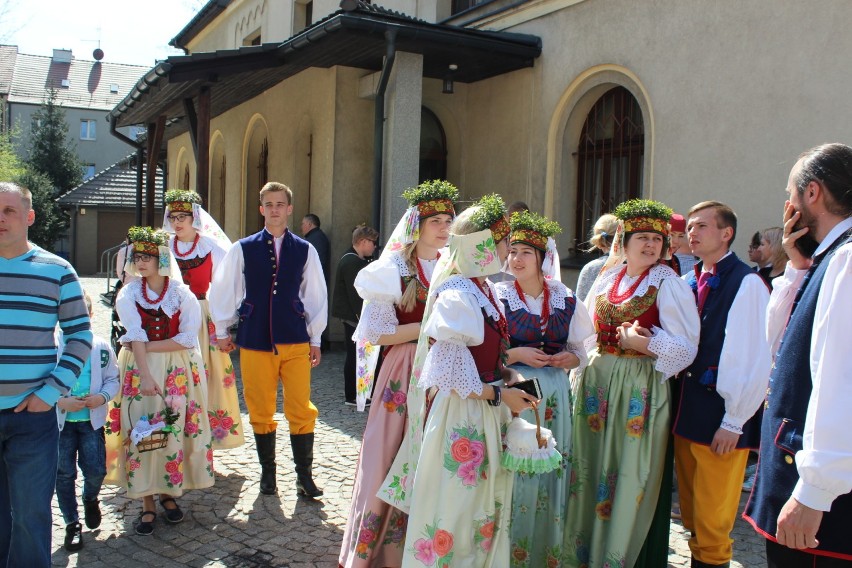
39 290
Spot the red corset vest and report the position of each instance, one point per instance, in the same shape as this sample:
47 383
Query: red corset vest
158 325
487 354
197 273
608 317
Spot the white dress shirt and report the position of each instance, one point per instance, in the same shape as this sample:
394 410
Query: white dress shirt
229 289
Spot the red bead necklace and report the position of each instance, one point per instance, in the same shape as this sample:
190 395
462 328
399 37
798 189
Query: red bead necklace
191 249
422 275
614 297
545 307
159 298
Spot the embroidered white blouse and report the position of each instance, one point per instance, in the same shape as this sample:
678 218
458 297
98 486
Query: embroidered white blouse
455 323
675 342
581 330
379 284
177 298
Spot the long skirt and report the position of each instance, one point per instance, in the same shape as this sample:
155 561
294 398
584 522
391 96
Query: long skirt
186 460
621 432
540 502
223 405
462 496
375 531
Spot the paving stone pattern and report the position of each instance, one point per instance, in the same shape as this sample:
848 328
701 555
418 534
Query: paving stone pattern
233 525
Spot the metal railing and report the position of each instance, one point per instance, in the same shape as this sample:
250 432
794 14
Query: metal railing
107 266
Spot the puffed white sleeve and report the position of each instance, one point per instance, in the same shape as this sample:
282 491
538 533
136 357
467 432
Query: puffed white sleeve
455 323
313 293
580 333
675 342
131 321
825 461
227 290
784 290
190 318
745 361
379 285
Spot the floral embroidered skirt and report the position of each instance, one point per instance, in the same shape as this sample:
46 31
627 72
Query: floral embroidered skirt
375 530
620 435
223 404
461 496
540 502
186 461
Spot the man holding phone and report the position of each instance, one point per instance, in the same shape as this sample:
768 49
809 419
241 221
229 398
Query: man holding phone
802 498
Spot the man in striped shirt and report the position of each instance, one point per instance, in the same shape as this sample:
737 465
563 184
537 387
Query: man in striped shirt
38 290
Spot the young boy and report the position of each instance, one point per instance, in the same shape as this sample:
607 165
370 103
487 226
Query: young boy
81 416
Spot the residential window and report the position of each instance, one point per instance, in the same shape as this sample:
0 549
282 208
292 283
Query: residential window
88 171
462 5
135 131
609 158
253 38
88 130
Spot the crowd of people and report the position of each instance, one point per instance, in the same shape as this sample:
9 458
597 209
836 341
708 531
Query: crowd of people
512 421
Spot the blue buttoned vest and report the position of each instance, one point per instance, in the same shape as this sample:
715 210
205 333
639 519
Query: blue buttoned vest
272 312
701 409
790 386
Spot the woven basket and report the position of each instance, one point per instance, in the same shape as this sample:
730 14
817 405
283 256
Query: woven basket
155 440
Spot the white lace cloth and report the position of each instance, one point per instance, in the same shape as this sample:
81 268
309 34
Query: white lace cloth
177 298
379 284
675 342
581 330
206 245
455 323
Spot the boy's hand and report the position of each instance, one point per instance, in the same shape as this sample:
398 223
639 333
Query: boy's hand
94 400
71 403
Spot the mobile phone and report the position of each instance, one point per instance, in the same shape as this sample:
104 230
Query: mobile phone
806 245
530 386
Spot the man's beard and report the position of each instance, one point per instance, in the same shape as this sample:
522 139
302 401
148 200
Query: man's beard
806 244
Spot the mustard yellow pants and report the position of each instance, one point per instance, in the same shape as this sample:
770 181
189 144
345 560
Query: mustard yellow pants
709 486
261 371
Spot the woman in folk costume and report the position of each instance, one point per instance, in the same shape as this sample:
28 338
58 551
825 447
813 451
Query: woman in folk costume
647 331
163 385
198 246
548 326
461 493
394 288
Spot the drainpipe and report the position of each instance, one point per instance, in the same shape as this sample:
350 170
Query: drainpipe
140 153
379 128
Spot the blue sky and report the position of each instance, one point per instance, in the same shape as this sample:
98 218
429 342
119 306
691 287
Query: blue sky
129 31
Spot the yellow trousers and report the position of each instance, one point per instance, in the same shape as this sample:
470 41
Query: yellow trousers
261 371
709 486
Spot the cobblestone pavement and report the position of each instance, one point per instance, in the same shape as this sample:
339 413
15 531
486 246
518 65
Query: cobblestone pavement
233 525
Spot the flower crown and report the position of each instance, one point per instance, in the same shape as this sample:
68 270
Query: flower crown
532 229
644 215
432 198
181 200
147 240
491 215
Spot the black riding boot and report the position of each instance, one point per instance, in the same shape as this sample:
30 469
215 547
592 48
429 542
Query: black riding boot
303 456
266 457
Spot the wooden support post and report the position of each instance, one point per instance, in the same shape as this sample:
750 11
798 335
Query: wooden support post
202 148
155 140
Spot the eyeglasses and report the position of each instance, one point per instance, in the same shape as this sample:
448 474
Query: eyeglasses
142 257
179 217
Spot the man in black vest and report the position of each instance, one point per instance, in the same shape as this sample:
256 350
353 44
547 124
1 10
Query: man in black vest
723 387
802 497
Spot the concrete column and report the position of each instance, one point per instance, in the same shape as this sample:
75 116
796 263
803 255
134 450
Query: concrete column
403 99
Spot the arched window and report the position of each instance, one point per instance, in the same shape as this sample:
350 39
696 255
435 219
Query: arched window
433 147
609 158
185 184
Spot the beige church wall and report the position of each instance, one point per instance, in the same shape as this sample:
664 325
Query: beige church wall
736 92
242 19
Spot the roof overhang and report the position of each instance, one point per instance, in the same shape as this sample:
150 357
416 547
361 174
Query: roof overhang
352 39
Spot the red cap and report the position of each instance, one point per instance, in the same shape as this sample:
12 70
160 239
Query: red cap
678 223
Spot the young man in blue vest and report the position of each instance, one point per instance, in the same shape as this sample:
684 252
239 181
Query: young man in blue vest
723 388
272 283
802 497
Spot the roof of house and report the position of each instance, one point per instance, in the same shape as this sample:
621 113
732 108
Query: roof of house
205 15
91 84
355 36
113 188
